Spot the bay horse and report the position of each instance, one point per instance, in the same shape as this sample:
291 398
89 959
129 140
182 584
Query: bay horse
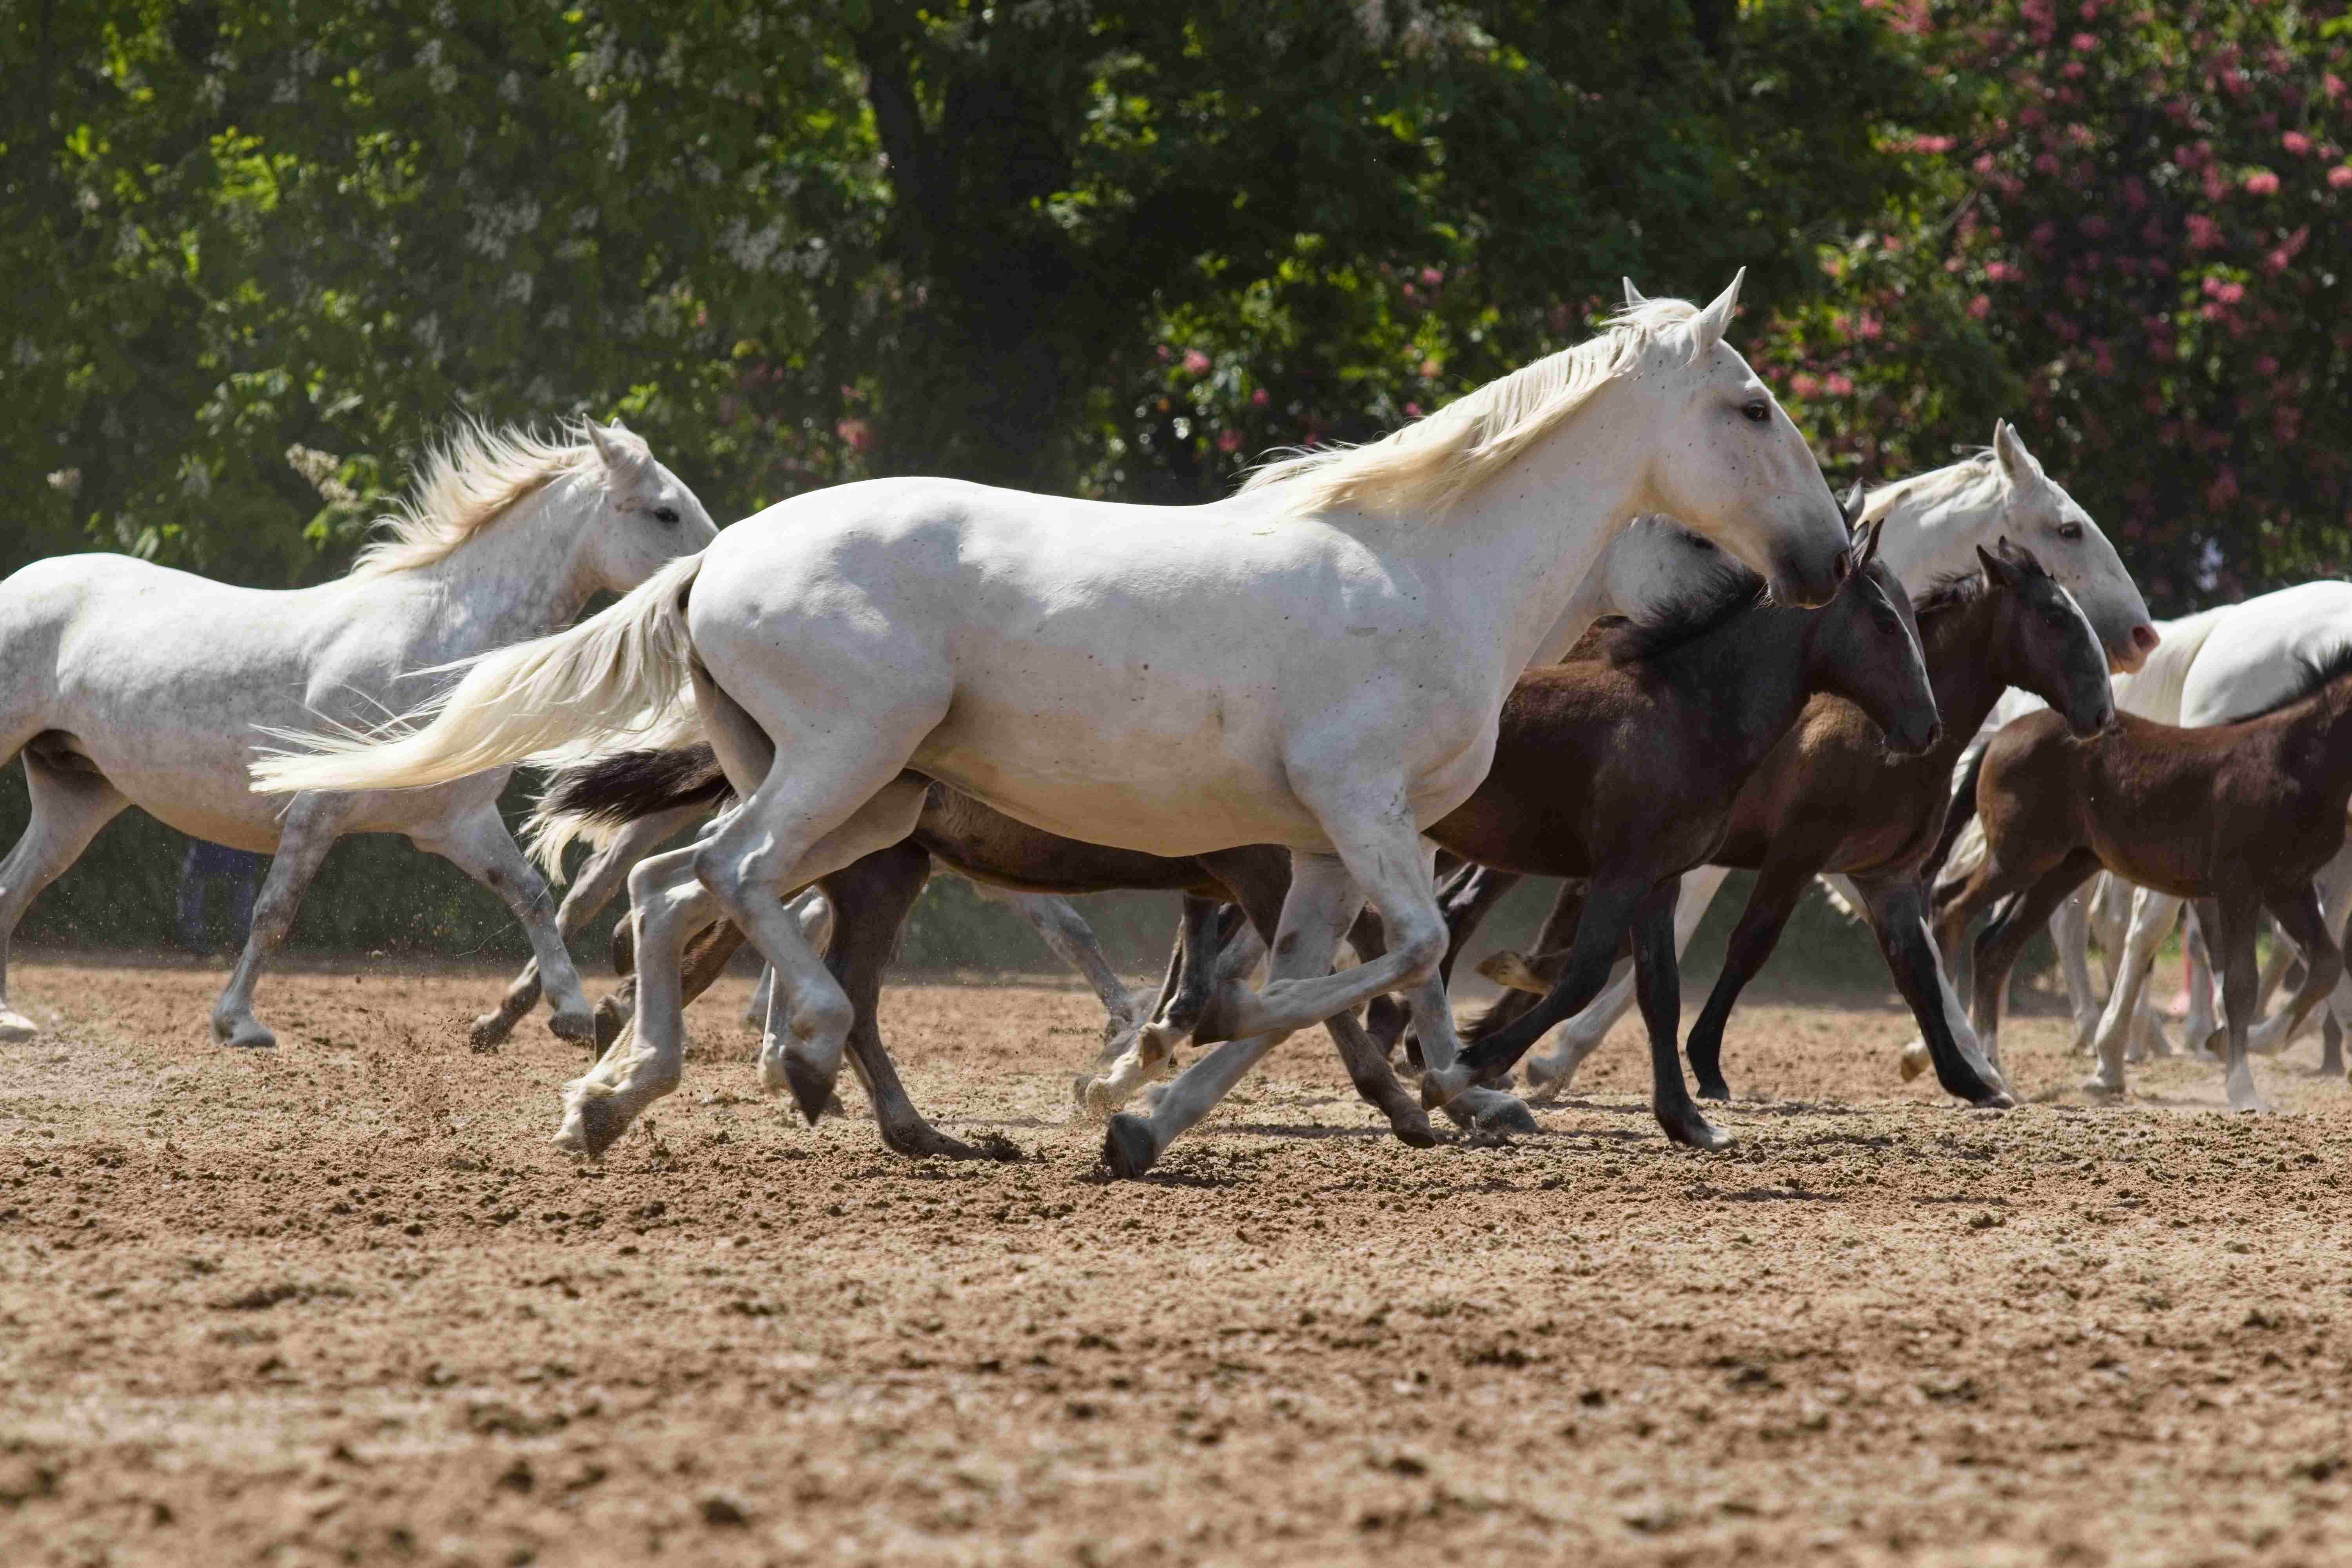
2238 817
124 683
1621 771
1317 662
1830 799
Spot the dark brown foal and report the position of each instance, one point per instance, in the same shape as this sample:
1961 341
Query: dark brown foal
1624 772
1830 799
2238 816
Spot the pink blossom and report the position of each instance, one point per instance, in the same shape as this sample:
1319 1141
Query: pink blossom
1806 388
2204 233
856 433
2261 183
2296 142
1408 293
2083 43
1838 387
2046 163
1981 307
1412 410
2222 490
2134 192
2043 233
1431 275
2331 85
1195 363
1258 398
1165 352
1430 369
2094 226
2072 70
1868 327
2339 176
1983 164
2216 187
2266 366
1229 440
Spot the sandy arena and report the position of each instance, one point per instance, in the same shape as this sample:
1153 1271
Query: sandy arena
342 1303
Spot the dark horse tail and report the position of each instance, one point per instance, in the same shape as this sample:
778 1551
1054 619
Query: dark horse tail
1957 813
603 794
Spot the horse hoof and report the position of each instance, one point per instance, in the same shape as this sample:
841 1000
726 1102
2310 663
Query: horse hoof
579 1028
1130 1146
2098 1088
1717 1089
1411 1126
1914 1062
487 1033
247 1035
590 1125
609 1025
812 1090
1696 1131
15 1028
1494 1112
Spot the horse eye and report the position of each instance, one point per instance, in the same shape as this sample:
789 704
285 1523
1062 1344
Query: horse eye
665 515
2070 530
1757 410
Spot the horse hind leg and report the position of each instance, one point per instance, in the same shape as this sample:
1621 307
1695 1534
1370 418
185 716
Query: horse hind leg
312 826
70 805
477 842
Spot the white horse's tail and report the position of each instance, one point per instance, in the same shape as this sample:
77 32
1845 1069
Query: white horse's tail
613 672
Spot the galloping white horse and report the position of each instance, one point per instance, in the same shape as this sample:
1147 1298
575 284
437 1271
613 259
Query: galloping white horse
1318 662
124 683
1932 524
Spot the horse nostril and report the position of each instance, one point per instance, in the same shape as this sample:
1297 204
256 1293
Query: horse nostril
1935 736
2144 638
1844 567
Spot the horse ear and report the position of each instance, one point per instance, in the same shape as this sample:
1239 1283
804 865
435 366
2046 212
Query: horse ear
1866 551
2016 556
2017 465
1852 507
1708 329
1635 299
1996 569
623 450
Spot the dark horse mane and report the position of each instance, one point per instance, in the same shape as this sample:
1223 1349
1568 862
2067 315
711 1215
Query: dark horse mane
2316 673
1725 590
1953 591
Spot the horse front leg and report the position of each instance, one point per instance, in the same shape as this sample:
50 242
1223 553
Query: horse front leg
1130 1059
1898 917
477 842
2152 917
312 826
666 901
2302 917
1657 972
69 808
2231 924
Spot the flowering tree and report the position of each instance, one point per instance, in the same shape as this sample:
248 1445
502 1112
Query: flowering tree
2139 241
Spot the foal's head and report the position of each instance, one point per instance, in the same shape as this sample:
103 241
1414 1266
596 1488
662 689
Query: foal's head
2044 643
1864 647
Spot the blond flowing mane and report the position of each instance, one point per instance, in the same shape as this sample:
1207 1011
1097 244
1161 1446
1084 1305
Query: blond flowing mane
1430 466
468 480
1979 469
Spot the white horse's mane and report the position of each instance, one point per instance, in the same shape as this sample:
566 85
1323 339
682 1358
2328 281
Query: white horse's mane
468 480
1979 469
1429 466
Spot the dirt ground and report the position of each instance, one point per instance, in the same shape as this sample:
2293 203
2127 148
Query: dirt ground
342 1302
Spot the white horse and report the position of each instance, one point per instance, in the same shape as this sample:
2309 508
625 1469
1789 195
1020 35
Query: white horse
1932 524
2215 668
124 683
1317 662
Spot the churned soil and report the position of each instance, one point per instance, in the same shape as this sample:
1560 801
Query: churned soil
342 1303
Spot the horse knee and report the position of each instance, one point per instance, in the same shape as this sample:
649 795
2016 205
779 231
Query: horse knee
1420 946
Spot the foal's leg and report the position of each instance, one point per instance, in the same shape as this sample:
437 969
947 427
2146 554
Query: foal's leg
2233 923
2006 934
310 828
606 873
1658 976
2152 917
1128 1058
69 808
477 842
1550 1071
1608 908
1752 940
2300 914
1465 900
2070 929
666 904
1897 907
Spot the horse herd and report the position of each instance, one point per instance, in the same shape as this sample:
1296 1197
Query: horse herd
1600 620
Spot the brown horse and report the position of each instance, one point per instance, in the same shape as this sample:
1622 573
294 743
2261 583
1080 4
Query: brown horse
2238 816
1623 770
1829 800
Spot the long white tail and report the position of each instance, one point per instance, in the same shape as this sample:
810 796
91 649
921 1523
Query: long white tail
618 670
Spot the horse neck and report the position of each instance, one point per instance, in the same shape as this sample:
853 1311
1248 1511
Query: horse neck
1518 553
523 574
1962 653
1754 674
2328 714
